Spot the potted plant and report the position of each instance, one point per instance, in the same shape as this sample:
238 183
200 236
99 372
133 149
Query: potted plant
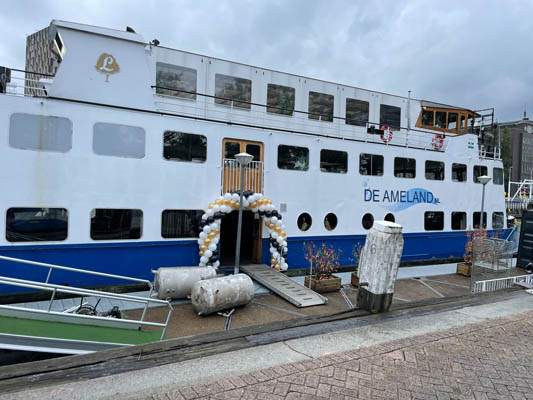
356 257
323 263
465 268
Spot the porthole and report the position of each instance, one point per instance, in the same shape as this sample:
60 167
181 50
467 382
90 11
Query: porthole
330 221
304 221
390 217
368 221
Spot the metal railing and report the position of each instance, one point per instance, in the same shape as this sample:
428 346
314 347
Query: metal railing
18 82
491 285
51 267
231 176
85 293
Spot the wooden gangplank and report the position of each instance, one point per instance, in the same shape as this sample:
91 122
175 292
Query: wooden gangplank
283 286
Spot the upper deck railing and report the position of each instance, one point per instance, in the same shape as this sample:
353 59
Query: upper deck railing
18 82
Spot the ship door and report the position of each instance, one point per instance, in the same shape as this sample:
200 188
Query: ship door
251 223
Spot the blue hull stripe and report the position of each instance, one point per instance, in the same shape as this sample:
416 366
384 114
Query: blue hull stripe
136 259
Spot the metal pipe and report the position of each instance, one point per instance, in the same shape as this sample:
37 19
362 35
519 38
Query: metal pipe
166 322
482 207
52 299
146 305
48 276
239 228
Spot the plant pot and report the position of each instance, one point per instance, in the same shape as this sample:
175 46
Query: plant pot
331 284
464 269
354 279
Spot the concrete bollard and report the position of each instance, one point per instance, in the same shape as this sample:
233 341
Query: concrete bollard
378 266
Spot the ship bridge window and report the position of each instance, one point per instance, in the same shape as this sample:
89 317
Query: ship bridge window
181 79
458 220
434 170
452 121
280 99
181 223
476 221
479 170
113 224
320 106
434 220
357 112
404 167
497 220
36 224
118 140
333 161
390 116
428 117
440 119
459 172
40 132
180 146
232 91
371 164
497 174
293 157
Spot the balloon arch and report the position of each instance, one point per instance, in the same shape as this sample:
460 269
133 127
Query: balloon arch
257 203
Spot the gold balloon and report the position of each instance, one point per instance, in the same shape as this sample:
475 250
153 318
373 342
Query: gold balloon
203 248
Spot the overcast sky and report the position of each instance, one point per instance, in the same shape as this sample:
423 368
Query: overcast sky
470 53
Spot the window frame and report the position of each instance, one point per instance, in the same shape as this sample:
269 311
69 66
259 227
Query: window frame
294 169
181 93
141 228
443 170
7 224
12 144
465 173
140 128
359 103
234 103
426 221
345 171
404 168
465 219
191 158
372 156
278 109
383 110
199 215
474 172
318 116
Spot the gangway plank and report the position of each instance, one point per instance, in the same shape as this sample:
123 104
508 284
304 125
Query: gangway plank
283 286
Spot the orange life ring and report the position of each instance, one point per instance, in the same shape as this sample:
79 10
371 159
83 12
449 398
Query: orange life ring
438 141
386 129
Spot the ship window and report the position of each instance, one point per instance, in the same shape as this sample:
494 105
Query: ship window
333 161
330 221
111 223
40 132
476 221
390 217
233 91
404 167
367 221
434 170
320 106
118 140
459 172
458 220
497 174
463 122
280 99
356 112
231 149
304 222
36 224
497 220
479 170
440 119
175 77
370 164
180 146
181 223
452 121
293 157
428 117
433 220
390 116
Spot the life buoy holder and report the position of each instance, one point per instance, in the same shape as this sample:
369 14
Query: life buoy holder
438 141
386 133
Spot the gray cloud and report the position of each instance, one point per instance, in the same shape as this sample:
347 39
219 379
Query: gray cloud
473 54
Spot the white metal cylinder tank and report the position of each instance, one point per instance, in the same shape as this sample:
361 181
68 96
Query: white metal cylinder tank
218 294
177 282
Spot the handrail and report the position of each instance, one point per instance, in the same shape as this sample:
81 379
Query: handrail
86 292
82 271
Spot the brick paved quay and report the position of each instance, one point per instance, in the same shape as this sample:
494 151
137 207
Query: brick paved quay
487 360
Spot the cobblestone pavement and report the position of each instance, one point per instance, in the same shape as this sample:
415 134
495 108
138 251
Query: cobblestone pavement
488 360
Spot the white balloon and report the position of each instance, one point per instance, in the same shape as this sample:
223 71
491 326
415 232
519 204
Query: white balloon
204 217
216 264
220 198
214 226
207 229
283 226
284 244
274 219
201 264
200 241
254 210
245 203
227 196
274 235
235 197
215 241
212 246
279 239
216 208
272 249
208 253
210 212
285 266
203 235
251 198
225 209
275 255
204 259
